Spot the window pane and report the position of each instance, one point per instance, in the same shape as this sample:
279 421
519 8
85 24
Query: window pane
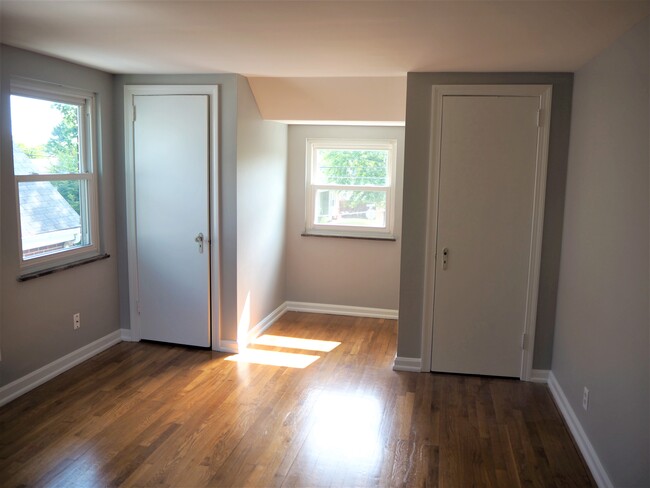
352 167
50 216
353 208
45 136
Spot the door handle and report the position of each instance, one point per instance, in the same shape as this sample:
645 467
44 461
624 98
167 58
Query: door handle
445 258
199 239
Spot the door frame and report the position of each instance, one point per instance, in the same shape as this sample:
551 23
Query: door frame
544 94
212 91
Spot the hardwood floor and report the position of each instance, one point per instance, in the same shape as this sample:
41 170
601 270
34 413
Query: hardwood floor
143 414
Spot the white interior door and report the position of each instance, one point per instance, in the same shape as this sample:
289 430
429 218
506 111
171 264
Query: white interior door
488 165
171 161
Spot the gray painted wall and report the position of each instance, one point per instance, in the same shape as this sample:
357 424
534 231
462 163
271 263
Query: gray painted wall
316 265
37 314
228 188
416 177
601 332
261 212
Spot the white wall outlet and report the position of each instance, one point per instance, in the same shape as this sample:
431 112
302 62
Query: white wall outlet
76 321
585 398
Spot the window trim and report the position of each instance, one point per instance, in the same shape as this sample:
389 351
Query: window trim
87 173
311 188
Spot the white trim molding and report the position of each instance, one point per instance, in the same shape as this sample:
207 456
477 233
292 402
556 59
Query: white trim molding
413 365
265 323
234 347
126 335
228 346
36 378
539 375
579 435
379 313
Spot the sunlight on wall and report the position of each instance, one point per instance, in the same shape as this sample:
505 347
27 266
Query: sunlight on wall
296 343
273 358
244 323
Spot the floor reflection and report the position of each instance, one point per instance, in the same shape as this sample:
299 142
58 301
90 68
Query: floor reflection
347 430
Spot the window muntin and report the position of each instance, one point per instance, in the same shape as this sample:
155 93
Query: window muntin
350 187
53 155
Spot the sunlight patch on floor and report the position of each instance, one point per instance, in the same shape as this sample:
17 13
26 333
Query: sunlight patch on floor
296 343
273 358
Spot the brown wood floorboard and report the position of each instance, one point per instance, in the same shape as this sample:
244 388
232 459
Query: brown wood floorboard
143 414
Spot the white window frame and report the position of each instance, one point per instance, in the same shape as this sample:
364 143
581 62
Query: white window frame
312 187
88 173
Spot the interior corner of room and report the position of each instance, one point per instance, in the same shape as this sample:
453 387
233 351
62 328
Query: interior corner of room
566 219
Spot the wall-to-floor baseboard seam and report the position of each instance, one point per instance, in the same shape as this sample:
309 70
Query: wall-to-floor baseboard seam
289 306
579 435
36 378
265 323
413 365
539 375
380 313
259 328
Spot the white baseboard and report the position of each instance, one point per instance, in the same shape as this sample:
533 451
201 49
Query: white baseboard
407 364
265 323
233 346
36 378
126 335
380 313
227 346
579 435
539 375
254 333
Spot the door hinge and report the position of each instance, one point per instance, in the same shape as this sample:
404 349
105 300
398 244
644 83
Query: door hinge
524 340
539 118
134 112
137 306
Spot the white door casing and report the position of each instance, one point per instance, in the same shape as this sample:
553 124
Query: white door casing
488 172
171 171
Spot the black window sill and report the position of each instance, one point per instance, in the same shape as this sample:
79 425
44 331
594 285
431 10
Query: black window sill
56 269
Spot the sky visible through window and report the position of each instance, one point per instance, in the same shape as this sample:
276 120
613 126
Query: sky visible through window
32 120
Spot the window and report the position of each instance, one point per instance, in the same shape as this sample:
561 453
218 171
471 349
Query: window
52 131
350 187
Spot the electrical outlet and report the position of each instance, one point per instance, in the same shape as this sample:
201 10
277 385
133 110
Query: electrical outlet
76 321
585 398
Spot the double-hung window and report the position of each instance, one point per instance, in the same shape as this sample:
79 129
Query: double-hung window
53 136
350 187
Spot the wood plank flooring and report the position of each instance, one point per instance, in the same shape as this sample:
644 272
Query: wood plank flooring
143 414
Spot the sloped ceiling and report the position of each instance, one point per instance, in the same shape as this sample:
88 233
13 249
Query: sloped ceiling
380 100
319 38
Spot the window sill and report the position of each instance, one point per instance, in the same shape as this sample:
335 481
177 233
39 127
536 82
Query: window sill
55 269
389 238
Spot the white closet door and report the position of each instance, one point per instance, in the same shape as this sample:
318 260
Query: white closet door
485 216
171 153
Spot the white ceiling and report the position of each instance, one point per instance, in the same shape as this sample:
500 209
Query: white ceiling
319 38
